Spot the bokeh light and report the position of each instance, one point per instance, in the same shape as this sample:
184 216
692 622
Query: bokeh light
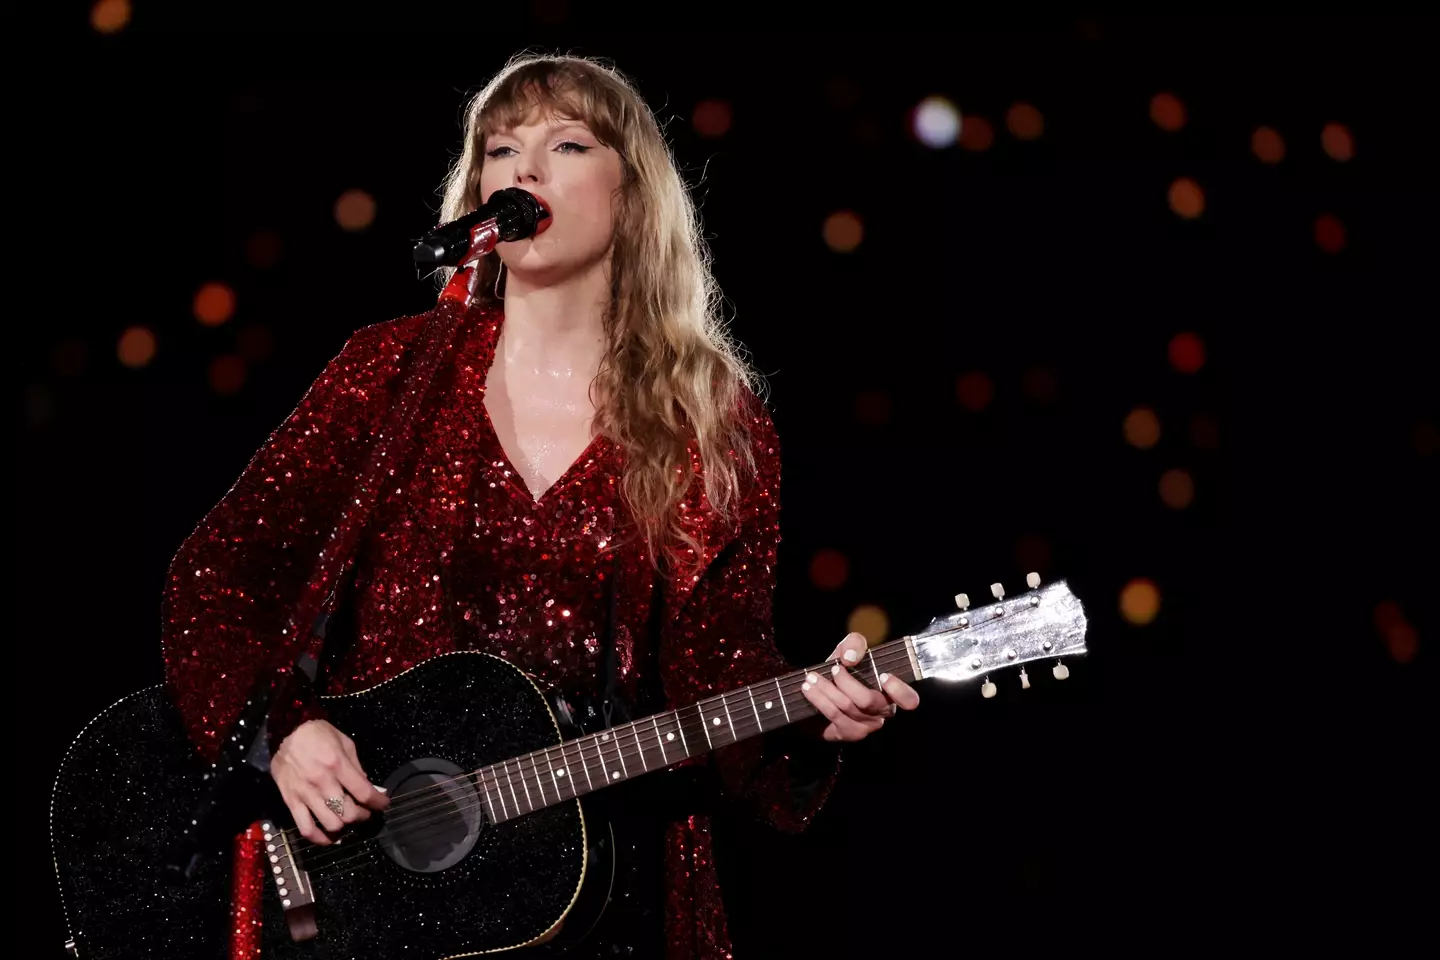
974 390
843 231
1338 143
1400 636
1267 145
1142 428
1140 601
841 93
829 569
1187 352
1204 432
1425 439
227 374
1040 385
1186 198
1025 122
355 210
1329 233
870 621
976 133
110 16
711 118
1167 111
255 343
935 121
214 304
263 248
70 357
136 347
1177 489
873 407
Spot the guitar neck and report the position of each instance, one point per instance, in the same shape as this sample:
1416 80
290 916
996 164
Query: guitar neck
576 767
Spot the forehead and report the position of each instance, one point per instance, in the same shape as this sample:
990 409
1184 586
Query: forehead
540 120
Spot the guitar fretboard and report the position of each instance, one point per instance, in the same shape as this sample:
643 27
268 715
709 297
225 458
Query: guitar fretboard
576 767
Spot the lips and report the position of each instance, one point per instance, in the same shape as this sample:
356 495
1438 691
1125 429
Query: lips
544 224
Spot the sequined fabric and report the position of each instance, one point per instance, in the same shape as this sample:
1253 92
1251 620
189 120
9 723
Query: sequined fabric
458 555
248 880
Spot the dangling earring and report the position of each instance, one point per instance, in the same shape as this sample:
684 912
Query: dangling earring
499 278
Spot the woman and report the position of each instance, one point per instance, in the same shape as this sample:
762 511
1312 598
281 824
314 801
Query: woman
589 480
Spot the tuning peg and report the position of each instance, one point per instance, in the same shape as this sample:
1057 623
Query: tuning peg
1060 670
962 600
1032 580
987 689
1024 680
997 591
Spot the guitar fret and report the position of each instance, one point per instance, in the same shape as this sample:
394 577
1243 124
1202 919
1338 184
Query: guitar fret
704 726
660 740
679 725
636 732
488 802
553 778
875 669
783 705
539 785
504 813
624 772
512 787
725 702
600 752
584 764
524 786
758 722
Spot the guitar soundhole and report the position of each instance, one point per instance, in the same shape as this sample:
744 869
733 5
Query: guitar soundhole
435 815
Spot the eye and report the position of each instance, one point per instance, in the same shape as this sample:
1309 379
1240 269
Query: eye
570 146
498 152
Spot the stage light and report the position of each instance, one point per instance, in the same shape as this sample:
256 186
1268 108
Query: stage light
1329 233
1167 111
1187 352
1142 428
1186 198
1268 145
70 357
136 347
1400 637
355 210
976 134
1140 601
873 407
1204 432
711 118
1338 143
829 569
1039 384
1025 122
1425 439
870 621
110 16
262 249
255 343
843 231
936 122
227 374
214 304
974 391
1177 489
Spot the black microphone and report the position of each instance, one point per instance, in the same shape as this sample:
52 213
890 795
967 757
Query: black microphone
510 214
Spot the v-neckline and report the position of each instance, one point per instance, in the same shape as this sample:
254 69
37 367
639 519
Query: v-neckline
518 480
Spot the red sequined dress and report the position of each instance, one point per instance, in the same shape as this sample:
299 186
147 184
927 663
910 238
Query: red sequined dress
459 555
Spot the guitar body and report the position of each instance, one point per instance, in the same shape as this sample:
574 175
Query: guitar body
451 884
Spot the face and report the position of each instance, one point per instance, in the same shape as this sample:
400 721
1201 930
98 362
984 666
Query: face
577 176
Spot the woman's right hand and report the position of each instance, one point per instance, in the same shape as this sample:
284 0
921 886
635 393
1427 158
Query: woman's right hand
316 763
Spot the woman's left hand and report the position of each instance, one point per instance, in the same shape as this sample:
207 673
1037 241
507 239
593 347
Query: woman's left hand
854 710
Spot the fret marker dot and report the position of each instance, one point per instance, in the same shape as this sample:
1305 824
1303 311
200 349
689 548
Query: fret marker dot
768 704
669 736
615 775
561 772
716 721
605 737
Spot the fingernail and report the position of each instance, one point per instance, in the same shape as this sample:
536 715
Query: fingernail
804 686
883 678
835 670
851 656
378 789
813 679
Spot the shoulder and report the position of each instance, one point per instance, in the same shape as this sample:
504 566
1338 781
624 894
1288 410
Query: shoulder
759 431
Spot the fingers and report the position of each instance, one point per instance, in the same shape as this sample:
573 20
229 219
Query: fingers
851 649
362 791
903 695
848 707
827 700
870 701
327 818
304 822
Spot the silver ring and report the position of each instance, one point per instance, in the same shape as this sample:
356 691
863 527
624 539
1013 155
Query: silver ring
336 805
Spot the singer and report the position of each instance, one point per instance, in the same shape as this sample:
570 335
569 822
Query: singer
591 491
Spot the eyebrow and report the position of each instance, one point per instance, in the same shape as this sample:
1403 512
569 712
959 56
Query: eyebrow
550 128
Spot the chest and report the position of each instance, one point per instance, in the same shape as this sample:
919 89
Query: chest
542 419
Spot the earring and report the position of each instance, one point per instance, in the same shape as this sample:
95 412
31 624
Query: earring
499 277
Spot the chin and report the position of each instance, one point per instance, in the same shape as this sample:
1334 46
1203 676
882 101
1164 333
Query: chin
542 262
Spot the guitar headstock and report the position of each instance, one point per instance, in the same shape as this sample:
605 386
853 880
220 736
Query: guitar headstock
1044 623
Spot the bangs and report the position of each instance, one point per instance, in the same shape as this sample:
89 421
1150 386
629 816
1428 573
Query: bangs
551 89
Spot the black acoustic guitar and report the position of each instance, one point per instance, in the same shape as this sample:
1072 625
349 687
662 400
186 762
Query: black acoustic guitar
487 845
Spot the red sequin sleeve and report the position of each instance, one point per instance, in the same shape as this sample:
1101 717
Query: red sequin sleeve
233 584
723 637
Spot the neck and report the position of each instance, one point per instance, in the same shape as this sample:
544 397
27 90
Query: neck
561 320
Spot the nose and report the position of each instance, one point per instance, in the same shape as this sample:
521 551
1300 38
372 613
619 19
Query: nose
530 168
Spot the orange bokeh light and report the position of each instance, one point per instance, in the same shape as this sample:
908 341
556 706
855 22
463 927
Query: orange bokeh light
976 133
711 118
1142 428
1204 432
227 374
1140 601
873 407
1187 352
355 210
110 16
1167 111
829 569
136 347
1329 233
843 231
1337 141
1177 489
870 621
1040 385
974 391
214 304
1267 145
1025 122
1186 198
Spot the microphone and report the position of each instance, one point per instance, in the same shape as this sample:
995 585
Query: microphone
510 214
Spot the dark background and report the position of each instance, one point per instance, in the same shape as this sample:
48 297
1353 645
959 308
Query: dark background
1253 747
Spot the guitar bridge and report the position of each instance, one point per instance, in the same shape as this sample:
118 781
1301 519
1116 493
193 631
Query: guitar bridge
292 883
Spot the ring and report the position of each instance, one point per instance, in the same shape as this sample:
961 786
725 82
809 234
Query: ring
336 805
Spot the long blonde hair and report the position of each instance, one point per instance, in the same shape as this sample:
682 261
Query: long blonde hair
670 374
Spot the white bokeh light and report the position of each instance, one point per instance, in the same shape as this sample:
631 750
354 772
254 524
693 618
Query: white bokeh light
937 122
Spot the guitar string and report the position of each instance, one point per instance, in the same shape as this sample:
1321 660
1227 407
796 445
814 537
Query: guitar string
341 854
649 741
